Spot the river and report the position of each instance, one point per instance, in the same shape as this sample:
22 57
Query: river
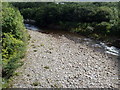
98 45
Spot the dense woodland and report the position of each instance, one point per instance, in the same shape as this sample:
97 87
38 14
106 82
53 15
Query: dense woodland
99 20
96 19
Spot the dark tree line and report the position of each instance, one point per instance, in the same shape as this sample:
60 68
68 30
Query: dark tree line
101 17
98 20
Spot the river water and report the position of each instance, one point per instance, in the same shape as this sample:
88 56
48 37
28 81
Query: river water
95 44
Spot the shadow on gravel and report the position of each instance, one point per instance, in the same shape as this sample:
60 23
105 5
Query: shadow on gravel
58 33
119 70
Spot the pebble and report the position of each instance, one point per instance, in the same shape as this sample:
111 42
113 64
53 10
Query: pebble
71 65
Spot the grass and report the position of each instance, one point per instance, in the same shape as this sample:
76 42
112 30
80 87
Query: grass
34 46
33 41
46 67
50 48
29 37
36 83
41 44
35 50
48 51
55 86
28 75
0 83
17 73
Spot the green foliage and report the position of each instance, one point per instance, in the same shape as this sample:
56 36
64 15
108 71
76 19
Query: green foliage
68 25
46 67
76 17
21 5
14 40
36 83
28 13
12 22
12 49
84 28
103 28
47 15
103 14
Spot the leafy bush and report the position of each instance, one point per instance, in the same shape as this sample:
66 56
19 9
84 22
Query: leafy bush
12 21
115 30
84 28
68 25
47 15
29 13
14 39
103 28
103 14
13 50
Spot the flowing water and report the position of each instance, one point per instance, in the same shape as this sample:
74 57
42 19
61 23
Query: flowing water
31 27
95 44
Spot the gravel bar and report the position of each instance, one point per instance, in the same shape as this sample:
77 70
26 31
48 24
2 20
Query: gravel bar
61 61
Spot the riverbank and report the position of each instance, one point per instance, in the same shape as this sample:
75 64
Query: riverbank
62 60
111 41
103 45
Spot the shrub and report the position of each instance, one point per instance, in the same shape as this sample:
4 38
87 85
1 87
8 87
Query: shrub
84 14
12 21
14 40
103 28
68 25
47 15
103 14
29 13
84 28
13 50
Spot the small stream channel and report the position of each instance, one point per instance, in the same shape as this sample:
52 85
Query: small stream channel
95 44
